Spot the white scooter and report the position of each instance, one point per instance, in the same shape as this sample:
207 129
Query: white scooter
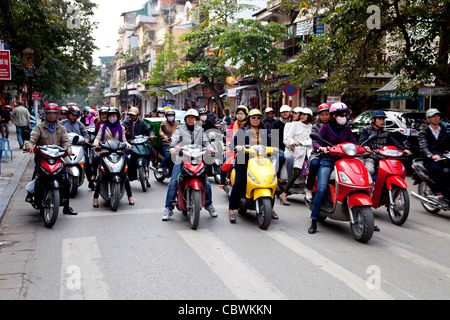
75 163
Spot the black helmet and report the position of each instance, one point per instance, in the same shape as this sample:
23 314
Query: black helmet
114 110
74 110
103 110
202 111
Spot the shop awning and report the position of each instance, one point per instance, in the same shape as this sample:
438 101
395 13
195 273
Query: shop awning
179 89
234 92
388 91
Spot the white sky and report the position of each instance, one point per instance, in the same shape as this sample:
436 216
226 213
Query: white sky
109 21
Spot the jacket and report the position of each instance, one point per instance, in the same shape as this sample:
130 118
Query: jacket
137 128
184 136
169 131
297 132
329 133
75 127
42 136
429 145
384 138
108 135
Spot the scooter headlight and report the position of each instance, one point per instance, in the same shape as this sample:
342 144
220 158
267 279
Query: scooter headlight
344 178
350 149
274 179
250 175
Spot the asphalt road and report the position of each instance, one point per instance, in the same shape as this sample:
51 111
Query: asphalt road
133 254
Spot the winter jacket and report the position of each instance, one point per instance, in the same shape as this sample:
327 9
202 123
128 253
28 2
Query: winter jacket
297 132
169 131
42 136
384 138
184 136
137 128
429 145
335 135
75 127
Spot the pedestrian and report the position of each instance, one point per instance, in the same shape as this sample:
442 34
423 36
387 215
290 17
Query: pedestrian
5 117
21 117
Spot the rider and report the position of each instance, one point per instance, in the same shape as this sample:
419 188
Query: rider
336 131
206 123
166 131
434 141
51 132
298 131
384 138
63 113
135 126
73 125
254 133
160 112
188 133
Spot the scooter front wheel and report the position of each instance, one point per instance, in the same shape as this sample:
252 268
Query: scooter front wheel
195 207
115 196
142 178
51 210
400 210
265 212
363 225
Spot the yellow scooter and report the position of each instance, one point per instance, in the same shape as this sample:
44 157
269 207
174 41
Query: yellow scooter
261 184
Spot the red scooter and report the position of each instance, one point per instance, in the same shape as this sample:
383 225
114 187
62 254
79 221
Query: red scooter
191 183
349 191
390 186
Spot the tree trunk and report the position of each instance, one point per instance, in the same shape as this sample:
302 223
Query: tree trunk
216 96
443 71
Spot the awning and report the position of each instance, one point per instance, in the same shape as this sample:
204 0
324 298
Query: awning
234 92
179 89
388 91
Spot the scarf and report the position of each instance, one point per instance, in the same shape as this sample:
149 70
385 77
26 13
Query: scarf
113 128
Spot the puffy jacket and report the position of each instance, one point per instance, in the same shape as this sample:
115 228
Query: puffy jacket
41 136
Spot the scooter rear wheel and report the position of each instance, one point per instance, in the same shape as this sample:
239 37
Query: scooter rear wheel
364 224
425 191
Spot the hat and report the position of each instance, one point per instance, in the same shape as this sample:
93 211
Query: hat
8 106
134 111
297 110
285 108
431 112
268 110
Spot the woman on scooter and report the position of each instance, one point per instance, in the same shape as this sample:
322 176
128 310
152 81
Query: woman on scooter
169 126
254 133
335 132
298 131
314 160
111 130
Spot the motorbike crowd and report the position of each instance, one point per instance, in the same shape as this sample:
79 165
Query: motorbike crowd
254 158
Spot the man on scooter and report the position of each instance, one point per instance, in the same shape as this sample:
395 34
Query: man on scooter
166 131
434 141
135 126
384 138
191 132
51 132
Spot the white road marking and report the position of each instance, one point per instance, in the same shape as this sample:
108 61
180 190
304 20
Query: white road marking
353 281
244 281
82 275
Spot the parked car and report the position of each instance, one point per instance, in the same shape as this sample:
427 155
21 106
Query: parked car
403 124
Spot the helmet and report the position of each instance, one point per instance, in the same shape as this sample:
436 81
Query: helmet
297 110
8 106
160 110
191 112
52 107
63 110
307 111
170 112
378 114
243 108
324 107
268 109
134 111
91 111
285 108
337 107
103 110
255 112
74 110
85 109
202 111
114 110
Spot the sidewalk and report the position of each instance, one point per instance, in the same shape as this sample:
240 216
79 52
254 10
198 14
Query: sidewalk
11 171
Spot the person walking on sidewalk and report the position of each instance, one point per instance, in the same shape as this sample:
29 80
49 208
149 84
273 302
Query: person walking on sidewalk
5 117
21 117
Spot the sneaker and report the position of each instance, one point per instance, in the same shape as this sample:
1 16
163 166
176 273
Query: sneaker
161 170
29 197
440 200
212 211
167 214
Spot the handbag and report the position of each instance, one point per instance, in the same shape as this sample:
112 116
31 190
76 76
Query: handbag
26 134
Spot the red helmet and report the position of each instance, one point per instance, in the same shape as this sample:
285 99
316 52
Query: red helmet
52 107
324 107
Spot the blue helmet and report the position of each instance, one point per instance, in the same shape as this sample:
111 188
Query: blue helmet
379 114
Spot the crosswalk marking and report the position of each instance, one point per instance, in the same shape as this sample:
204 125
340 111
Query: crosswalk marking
82 275
356 283
244 281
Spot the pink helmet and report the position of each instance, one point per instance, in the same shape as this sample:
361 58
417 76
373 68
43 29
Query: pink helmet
338 106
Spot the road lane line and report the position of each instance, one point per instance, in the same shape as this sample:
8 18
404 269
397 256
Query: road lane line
244 281
82 276
353 281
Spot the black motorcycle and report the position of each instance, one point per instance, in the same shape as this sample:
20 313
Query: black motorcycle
112 172
425 195
141 152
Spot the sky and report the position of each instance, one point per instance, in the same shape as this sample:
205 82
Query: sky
109 21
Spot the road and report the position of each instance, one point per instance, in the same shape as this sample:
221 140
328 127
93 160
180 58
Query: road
133 254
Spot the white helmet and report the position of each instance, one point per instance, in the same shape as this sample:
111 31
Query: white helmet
191 112
307 111
285 108
297 110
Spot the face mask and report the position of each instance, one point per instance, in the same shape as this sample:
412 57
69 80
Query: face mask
203 118
112 120
341 120
170 119
240 117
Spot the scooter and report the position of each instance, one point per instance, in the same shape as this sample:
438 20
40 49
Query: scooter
214 162
75 163
157 157
349 190
425 195
112 172
48 183
142 151
191 183
390 187
261 184
89 151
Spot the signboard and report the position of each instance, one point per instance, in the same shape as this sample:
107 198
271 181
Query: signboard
36 96
333 99
5 65
289 89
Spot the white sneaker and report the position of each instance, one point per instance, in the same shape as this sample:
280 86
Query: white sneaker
167 214
212 211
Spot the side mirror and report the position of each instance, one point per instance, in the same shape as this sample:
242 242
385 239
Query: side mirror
372 137
75 139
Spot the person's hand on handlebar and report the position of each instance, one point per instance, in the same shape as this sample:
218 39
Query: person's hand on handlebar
324 149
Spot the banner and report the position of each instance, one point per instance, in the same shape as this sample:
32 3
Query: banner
5 65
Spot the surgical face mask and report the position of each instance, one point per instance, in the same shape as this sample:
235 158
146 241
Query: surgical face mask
203 118
170 119
341 120
240 117
112 120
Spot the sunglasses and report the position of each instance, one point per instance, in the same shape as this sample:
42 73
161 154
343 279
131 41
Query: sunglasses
255 117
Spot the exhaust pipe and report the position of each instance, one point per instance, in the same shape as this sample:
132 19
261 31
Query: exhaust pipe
423 199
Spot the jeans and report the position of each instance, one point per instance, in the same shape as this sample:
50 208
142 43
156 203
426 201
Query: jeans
280 162
19 131
314 166
323 175
173 189
167 155
4 127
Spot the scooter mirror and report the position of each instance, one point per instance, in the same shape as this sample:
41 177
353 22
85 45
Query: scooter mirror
372 137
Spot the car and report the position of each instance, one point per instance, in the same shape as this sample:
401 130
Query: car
403 124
